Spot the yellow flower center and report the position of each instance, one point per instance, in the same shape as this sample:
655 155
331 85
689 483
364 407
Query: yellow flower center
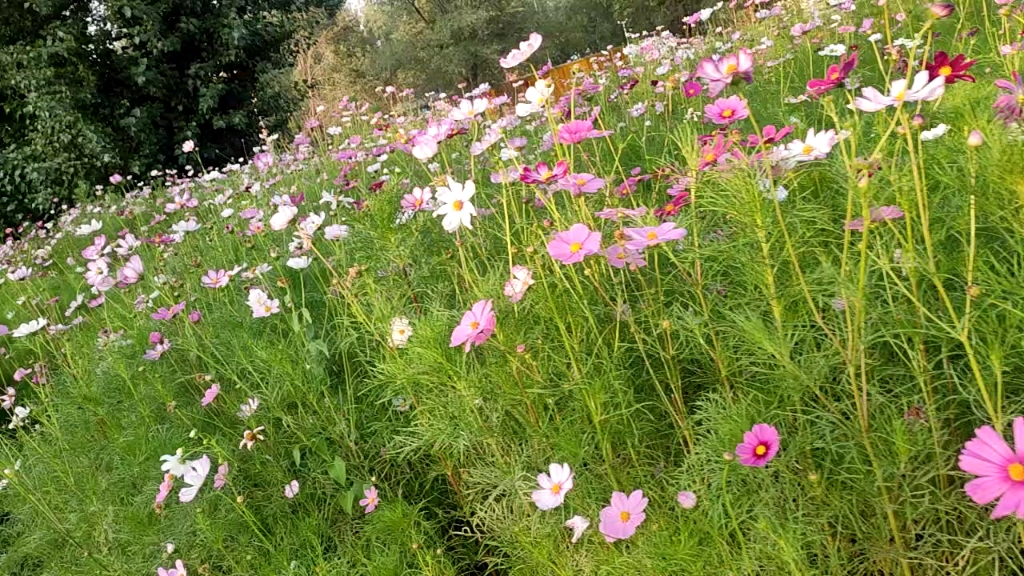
1016 471
730 68
945 71
457 205
575 247
267 308
900 96
761 450
417 203
555 489
580 181
547 174
1020 99
652 235
624 516
710 157
833 76
401 331
726 113
807 149
474 325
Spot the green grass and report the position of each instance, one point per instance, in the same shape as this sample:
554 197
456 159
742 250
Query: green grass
641 379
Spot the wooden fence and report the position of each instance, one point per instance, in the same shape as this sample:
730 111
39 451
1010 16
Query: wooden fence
563 74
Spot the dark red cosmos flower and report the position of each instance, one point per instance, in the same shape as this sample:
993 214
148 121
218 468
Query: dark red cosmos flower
953 70
834 76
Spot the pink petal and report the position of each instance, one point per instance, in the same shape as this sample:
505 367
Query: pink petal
1008 504
985 490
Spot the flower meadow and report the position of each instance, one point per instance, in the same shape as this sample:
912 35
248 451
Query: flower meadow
746 300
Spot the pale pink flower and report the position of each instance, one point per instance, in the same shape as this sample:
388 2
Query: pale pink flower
215 279
291 490
210 394
727 69
621 256
554 487
418 199
578 524
195 476
165 488
370 502
221 477
515 287
641 238
131 272
525 50
179 568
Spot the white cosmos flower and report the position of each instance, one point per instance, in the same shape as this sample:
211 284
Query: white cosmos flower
553 488
283 216
578 524
468 109
19 417
937 132
172 464
184 226
300 262
86 229
815 146
536 96
401 331
29 327
455 205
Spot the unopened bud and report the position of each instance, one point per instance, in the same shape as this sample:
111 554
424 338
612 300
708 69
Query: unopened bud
975 138
942 9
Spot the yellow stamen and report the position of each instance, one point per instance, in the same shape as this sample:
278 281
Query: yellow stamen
1016 471
575 247
730 68
652 235
474 325
945 71
807 149
710 157
761 450
555 489
726 113
624 516
580 181
457 205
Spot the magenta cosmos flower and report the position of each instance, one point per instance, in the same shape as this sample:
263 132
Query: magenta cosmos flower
543 174
999 470
759 445
574 244
476 326
692 89
621 519
834 76
726 110
640 238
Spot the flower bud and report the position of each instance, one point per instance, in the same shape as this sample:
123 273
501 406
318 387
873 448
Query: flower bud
975 138
942 9
917 120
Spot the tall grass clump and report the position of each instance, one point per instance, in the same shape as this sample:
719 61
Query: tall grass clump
745 302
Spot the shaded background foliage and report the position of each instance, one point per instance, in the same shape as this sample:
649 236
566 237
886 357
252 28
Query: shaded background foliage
89 88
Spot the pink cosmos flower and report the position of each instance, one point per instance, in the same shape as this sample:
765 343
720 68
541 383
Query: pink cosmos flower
573 245
575 132
621 519
692 89
131 272
726 110
543 174
210 394
371 501
800 28
878 214
168 313
220 479
215 279
20 374
641 238
7 400
727 69
759 446
476 326
116 179
1010 107
526 49
418 199
687 500
614 214
515 287
162 345
96 249
178 570
291 490
621 256
195 476
263 161
195 316
165 488
715 152
999 470
552 488
584 183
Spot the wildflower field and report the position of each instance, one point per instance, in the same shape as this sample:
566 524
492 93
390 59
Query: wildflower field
744 302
